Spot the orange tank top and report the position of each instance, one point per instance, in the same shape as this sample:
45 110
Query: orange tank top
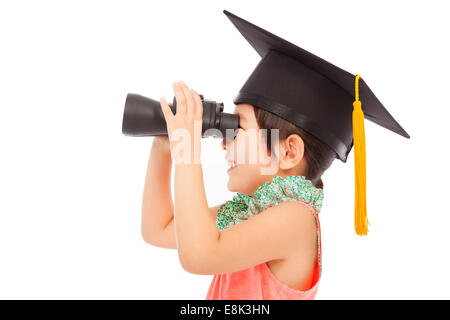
259 283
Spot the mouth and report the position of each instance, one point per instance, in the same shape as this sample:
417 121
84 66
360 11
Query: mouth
232 164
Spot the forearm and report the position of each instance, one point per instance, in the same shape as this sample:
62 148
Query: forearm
157 205
195 227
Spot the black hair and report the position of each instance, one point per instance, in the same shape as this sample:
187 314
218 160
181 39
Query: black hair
318 155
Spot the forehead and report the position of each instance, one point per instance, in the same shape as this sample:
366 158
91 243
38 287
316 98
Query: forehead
244 110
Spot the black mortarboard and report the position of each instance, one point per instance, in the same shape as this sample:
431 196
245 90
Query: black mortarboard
316 96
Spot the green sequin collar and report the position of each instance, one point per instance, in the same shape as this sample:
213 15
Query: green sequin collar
290 188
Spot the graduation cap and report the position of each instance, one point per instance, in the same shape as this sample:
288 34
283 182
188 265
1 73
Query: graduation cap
316 96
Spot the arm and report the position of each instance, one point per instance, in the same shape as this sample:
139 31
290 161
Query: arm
157 227
167 237
275 233
157 206
205 250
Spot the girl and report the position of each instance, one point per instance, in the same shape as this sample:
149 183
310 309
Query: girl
265 242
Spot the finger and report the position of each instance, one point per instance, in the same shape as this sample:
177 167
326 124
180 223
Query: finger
198 105
190 102
181 100
187 96
167 112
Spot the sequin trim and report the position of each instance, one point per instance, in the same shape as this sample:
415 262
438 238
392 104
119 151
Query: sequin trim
269 194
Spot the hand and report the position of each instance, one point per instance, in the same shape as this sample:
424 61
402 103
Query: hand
185 125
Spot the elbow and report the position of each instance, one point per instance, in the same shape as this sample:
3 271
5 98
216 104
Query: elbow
195 263
147 236
148 233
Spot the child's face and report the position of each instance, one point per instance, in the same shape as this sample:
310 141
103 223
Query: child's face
248 151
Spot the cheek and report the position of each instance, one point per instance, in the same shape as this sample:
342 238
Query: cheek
250 150
243 149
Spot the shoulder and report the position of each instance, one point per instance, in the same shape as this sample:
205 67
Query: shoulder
295 209
296 212
301 227
294 223
293 220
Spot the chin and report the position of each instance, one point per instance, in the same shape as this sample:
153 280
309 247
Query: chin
238 181
231 186
233 182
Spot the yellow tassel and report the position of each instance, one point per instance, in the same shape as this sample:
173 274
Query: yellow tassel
361 221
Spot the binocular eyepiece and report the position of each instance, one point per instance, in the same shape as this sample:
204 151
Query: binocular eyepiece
143 117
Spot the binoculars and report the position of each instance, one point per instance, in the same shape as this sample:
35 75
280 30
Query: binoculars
143 117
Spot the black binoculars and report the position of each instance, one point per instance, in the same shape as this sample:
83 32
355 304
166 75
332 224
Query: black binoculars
143 117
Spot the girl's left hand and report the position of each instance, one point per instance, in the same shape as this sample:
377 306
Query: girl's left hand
186 124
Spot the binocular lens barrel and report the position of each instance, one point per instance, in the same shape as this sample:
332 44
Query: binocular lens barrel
143 117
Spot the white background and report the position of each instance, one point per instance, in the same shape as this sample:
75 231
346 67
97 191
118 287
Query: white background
71 183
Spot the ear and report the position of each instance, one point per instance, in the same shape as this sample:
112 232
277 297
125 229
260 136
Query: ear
292 150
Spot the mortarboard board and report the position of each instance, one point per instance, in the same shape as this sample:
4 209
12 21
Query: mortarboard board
316 96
